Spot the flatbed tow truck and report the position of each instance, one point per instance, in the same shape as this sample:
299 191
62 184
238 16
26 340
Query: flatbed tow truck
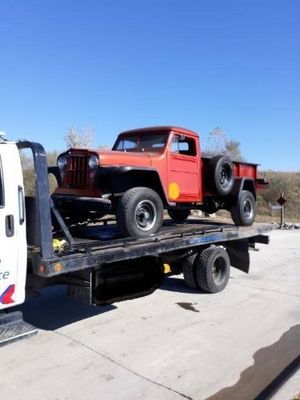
39 248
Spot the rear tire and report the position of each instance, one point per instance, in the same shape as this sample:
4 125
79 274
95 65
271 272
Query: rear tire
179 216
244 211
189 271
213 268
139 212
221 175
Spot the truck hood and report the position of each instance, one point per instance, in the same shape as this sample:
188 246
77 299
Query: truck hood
127 158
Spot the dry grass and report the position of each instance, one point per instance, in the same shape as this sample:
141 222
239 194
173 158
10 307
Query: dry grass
280 182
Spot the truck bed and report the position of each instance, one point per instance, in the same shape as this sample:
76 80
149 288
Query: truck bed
97 245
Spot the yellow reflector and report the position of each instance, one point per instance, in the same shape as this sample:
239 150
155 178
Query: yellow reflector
174 191
57 267
167 269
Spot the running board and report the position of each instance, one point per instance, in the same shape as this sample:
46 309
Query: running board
13 328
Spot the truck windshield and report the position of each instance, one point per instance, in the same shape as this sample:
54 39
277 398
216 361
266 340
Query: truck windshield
144 142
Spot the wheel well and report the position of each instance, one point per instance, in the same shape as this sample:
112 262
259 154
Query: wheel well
121 182
243 184
248 184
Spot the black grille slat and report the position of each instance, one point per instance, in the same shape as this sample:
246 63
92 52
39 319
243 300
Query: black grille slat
77 171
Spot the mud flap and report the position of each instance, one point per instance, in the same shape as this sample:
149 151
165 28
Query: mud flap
238 251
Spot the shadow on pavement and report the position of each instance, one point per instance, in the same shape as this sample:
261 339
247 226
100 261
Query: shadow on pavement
53 309
272 367
173 284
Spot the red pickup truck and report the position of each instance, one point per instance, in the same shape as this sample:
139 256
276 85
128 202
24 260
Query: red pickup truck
149 170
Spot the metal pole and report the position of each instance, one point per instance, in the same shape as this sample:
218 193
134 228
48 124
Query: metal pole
281 217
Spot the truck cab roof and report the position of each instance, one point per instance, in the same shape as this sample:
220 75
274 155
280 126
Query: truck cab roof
161 129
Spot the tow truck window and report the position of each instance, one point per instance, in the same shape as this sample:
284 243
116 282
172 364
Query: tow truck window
1 185
183 145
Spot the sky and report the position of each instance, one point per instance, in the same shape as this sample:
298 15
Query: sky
113 65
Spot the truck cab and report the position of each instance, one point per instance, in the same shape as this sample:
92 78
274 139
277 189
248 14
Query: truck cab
13 255
174 152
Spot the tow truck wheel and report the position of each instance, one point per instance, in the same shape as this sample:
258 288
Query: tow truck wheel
222 179
212 268
244 211
189 271
139 212
179 216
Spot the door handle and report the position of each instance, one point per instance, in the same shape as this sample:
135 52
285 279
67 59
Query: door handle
21 205
9 225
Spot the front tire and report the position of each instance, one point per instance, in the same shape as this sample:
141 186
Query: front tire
139 212
244 211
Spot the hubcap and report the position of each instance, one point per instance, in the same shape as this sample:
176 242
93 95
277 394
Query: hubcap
224 176
218 270
145 215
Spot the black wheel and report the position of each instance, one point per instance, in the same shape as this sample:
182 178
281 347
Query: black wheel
221 175
189 271
213 267
179 216
244 211
139 212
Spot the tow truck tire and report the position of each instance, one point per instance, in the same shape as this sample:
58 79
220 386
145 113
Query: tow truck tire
139 212
221 175
189 271
244 211
179 216
213 268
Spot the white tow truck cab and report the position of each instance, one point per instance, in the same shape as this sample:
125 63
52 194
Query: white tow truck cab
39 248
13 248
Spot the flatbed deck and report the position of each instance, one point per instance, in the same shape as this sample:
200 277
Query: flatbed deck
97 245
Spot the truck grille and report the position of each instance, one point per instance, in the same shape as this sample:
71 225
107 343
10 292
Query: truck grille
77 171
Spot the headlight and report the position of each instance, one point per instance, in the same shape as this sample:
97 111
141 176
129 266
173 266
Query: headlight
93 161
62 162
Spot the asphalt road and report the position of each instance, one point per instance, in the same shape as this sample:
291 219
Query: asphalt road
174 344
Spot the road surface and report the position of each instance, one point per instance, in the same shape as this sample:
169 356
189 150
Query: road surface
174 344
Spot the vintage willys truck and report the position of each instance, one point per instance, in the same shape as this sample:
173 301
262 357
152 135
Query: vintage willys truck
149 170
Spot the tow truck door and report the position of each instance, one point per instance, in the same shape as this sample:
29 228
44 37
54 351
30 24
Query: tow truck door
13 247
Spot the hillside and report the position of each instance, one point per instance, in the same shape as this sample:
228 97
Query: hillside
280 182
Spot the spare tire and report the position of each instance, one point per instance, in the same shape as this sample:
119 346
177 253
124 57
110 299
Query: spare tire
221 175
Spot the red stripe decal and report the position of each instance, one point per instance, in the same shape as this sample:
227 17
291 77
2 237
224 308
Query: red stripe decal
5 298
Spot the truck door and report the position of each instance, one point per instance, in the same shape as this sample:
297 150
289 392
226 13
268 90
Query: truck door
183 169
13 248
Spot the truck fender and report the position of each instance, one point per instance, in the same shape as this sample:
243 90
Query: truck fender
119 179
243 184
